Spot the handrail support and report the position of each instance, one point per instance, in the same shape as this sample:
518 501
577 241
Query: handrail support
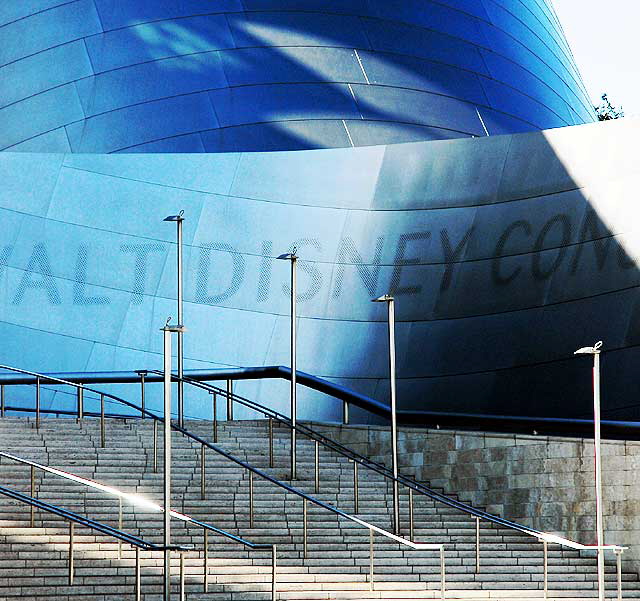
203 473
371 586
71 561
317 464
304 528
618 553
214 412
411 536
356 495
229 400
250 499
38 403
206 560
103 436
138 587
270 441
33 494
80 395
477 545
155 446
545 568
274 578
120 526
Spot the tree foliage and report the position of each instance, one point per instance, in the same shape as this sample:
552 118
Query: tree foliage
607 111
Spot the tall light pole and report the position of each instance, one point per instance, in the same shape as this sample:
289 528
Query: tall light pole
167 331
595 351
394 423
293 258
178 220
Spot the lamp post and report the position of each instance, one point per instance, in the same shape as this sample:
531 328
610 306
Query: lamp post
595 351
293 410
394 424
178 220
167 331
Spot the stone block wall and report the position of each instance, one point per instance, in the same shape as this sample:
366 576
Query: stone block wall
543 482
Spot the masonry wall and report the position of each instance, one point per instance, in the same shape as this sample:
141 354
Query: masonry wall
542 482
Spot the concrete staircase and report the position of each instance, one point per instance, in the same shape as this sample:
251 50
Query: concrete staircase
33 561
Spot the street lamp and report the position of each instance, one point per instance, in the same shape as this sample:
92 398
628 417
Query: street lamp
293 258
394 424
178 220
595 351
167 331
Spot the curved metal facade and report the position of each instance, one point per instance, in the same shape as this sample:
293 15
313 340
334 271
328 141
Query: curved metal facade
105 76
496 285
505 253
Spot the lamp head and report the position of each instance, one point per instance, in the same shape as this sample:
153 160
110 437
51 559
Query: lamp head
385 298
169 328
590 350
178 217
289 256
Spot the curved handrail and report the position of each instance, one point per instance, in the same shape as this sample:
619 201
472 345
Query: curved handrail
548 426
132 498
237 461
542 536
385 472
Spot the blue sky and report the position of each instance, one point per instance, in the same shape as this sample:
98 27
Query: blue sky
605 40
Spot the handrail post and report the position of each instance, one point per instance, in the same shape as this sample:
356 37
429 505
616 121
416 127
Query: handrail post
545 569
38 403
181 575
71 565
214 411
274 579
304 528
411 537
270 442
356 501
443 583
317 473
203 473
80 394
618 553
229 400
138 587
345 413
370 559
103 436
119 526
33 494
477 545
206 560
155 446
1 400
142 393
250 499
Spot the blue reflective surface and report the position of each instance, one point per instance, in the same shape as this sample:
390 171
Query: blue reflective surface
113 76
505 254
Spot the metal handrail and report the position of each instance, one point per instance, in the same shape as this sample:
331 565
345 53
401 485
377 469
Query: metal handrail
548 426
372 528
543 537
139 500
73 518
339 512
134 499
385 472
